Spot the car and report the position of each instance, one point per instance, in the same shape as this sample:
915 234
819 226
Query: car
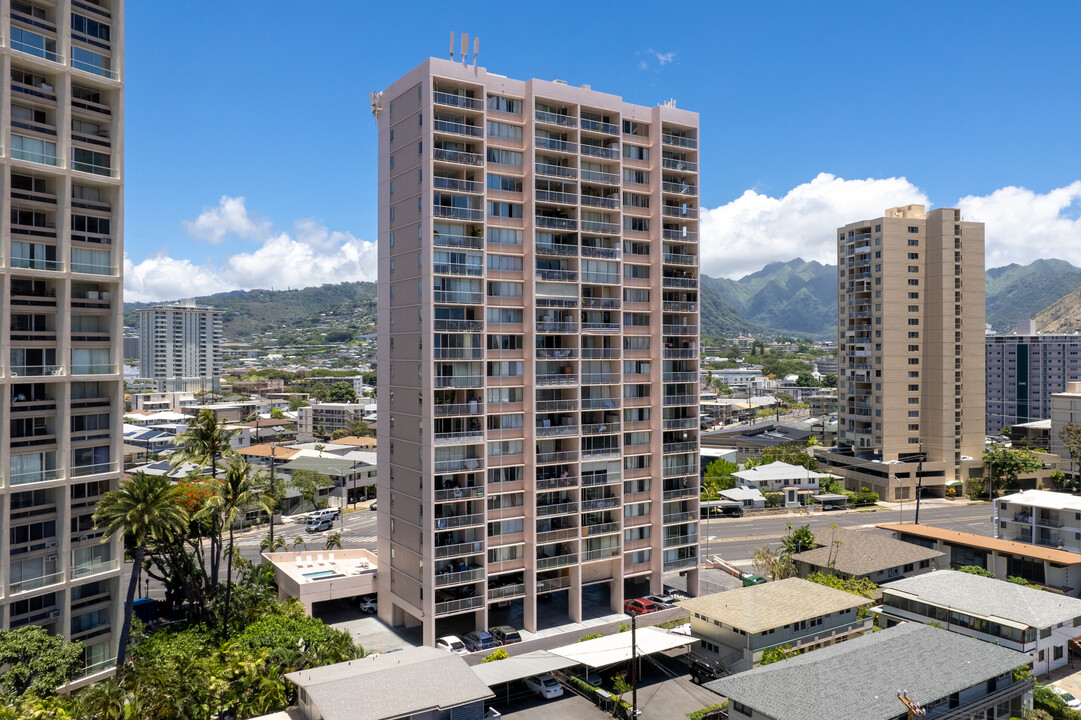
324 514
451 643
662 601
702 671
479 640
369 604
505 634
372 507
1071 702
586 674
638 606
319 525
544 685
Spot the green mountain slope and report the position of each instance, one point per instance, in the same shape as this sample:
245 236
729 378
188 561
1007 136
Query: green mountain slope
1018 292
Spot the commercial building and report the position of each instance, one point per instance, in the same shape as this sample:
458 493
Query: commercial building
737 626
1038 623
61 319
910 328
1023 371
538 346
1039 517
180 347
1059 570
950 675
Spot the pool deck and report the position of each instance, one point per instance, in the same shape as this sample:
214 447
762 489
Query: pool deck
315 577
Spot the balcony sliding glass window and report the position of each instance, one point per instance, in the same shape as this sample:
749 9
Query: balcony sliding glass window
34 150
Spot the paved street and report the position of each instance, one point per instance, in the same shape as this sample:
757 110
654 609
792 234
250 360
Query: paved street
359 532
735 539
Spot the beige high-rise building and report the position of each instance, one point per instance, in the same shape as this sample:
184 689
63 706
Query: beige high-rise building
61 253
910 320
180 347
538 349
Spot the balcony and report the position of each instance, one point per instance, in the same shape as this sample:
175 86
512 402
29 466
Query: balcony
34 157
468 492
458 213
37 582
456 100
558 198
452 409
680 493
454 606
602 554
459 521
679 141
556 431
457 297
464 436
506 592
568 508
456 185
600 127
557 561
680 188
559 171
678 211
565 456
606 253
470 242
601 178
556 223
604 228
681 423
559 328
599 151
556 249
680 563
550 584
456 128
680 258
544 353
601 303
457 156
94 469
94 269
690 283
36 370
600 202
557 275
96 567
680 330
673 306
600 428
34 44
549 118
679 447
670 400
460 269
548 143
94 369
441 325
680 470
24 263
459 549
601 378
600 453
600 278
601 503
676 164
680 517
443 467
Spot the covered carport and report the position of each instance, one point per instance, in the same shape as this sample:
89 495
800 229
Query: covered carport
830 501
500 675
612 649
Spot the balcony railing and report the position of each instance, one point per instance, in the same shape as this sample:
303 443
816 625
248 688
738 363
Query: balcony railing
603 503
506 592
471 242
556 249
458 213
557 509
557 275
548 143
558 328
460 493
680 517
556 431
468 548
598 453
600 151
681 165
94 568
600 428
36 51
36 582
679 141
96 69
450 466
600 278
453 606
680 540
93 469
680 400
462 269
459 101
93 269
679 282
600 202
679 188
601 127
36 370
86 167
594 226
94 369
42 158
456 185
557 171
441 325
556 354
458 521
35 476
595 353
678 470
600 403
465 436
601 178
557 483
602 554
565 456
455 128
680 259
679 493
557 197
678 211
556 119
556 583
457 297
557 561
452 409
457 156
556 223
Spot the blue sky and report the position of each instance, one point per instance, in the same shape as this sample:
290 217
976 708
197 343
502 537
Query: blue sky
250 148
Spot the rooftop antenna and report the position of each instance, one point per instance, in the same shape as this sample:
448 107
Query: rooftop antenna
465 47
451 44
476 49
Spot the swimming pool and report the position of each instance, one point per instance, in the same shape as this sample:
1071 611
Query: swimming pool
323 575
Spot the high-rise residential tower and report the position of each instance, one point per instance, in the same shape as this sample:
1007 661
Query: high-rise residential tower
910 321
180 347
538 348
61 319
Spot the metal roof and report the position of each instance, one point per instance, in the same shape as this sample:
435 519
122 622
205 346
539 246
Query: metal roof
517 667
327 466
611 649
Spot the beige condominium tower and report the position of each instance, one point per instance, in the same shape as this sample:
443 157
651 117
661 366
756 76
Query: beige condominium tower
61 250
538 349
910 334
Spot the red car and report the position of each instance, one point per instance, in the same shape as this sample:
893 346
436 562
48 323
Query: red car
638 606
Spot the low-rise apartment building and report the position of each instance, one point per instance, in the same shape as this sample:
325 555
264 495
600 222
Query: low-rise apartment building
1039 517
949 675
855 554
1038 623
1059 570
737 626
328 417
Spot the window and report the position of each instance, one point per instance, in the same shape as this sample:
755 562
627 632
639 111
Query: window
635 271
914 335
635 200
633 152
503 236
913 308
913 256
635 128
504 395
504 315
505 368
502 183
504 263
504 157
913 321
913 242
504 209
638 177
34 150
913 296
913 281
913 229
505 289
913 268
913 388
500 449
504 342
504 104
504 130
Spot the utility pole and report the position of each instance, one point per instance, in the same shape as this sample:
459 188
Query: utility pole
919 482
634 667
273 447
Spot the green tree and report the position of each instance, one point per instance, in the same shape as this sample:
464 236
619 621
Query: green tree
975 570
295 403
1003 465
342 392
233 496
806 379
769 564
308 483
1070 435
334 541
791 453
36 661
320 391
277 414
499 654
776 654
145 508
797 540
719 477
203 442
857 586
829 380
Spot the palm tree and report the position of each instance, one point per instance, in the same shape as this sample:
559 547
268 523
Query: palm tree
204 440
334 541
144 508
236 493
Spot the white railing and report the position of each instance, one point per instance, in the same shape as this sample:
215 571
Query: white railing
37 582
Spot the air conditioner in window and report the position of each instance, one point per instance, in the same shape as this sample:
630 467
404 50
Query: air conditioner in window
84 538
50 544
50 559
53 614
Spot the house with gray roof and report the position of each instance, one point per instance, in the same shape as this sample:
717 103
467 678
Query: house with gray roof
420 682
735 627
949 675
860 554
1029 620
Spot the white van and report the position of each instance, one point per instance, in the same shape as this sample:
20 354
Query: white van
324 514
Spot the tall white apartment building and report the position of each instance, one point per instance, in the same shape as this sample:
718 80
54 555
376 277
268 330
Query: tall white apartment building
180 347
61 250
1023 371
538 349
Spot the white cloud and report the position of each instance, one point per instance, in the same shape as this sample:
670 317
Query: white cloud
311 255
1022 225
230 217
756 229
663 58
